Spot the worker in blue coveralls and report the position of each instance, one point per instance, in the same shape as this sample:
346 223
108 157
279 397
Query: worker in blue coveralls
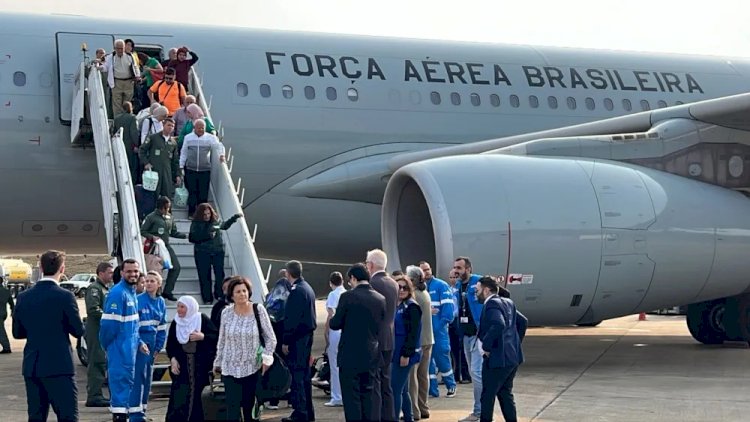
152 329
118 335
441 298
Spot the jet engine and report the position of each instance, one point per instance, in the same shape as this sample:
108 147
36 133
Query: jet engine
581 240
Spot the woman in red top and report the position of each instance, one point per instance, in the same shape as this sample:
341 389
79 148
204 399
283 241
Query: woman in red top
182 65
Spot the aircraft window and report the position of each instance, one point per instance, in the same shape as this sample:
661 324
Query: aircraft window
415 97
19 79
495 100
435 97
590 103
552 102
533 101
572 103
242 89
645 105
309 92
626 105
287 91
455 98
514 101
331 93
475 100
265 90
662 104
352 94
608 104
394 96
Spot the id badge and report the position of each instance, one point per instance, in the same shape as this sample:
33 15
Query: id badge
464 320
157 152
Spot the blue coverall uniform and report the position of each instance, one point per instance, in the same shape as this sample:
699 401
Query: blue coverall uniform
119 337
441 298
152 329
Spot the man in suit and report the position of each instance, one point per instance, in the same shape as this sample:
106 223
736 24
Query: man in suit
299 325
359 315
47 315
501 331
130 137
6 299
383 393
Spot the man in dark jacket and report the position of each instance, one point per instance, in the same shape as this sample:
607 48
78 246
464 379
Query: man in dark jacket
130 137
359 315
160 224
46 316
386 286
6 299
299 325
501 331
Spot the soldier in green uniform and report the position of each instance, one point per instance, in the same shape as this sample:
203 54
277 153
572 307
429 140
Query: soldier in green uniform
6 298
160 224
96 293
130 137
159 153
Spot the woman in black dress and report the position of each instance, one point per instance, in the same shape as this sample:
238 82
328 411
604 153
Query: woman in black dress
191 347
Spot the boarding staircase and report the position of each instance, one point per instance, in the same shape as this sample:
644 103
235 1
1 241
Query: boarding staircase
120 214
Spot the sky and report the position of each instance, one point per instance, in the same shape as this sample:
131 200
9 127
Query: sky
719 27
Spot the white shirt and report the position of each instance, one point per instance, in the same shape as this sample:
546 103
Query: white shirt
149 126
236 352
333 298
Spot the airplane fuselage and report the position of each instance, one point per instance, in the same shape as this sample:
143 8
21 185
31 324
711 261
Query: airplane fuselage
295 104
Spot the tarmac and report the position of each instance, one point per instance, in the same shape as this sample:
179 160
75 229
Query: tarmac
623 370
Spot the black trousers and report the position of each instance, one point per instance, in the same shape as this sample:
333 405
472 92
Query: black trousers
299 365
498 382
240 395
60 391
383 392
173 273
204 262
460 366
197 183
278 331
357 393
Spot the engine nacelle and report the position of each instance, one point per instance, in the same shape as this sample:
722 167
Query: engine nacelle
594 239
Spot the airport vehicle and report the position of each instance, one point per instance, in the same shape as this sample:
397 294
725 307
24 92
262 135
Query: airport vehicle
17 273
600 183
78 283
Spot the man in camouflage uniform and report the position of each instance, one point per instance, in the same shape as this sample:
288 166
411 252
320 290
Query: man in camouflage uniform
160 224
96 293
159 153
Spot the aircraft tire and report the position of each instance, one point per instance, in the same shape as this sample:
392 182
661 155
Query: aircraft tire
705 321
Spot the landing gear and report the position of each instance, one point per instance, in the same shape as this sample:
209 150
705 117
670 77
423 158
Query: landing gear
705 320
719 320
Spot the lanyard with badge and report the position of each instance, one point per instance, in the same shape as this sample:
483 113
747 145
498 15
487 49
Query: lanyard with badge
464 319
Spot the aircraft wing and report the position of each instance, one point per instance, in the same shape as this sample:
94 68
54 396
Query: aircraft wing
660 138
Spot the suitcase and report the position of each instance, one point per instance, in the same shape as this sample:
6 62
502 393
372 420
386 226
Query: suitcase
145 201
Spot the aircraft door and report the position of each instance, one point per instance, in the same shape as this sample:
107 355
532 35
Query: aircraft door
69 57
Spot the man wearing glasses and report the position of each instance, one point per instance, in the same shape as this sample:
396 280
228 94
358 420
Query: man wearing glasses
168 92
122 73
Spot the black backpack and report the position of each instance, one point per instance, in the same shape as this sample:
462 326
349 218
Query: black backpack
277 379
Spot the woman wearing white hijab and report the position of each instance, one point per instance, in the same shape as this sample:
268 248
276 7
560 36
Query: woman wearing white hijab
191 346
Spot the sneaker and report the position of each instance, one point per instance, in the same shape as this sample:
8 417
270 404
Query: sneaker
471 418
271 406
451 393
333 404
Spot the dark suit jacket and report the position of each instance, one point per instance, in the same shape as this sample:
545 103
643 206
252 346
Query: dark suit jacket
501 331
359 315
130 135
299 323
47 315
386 286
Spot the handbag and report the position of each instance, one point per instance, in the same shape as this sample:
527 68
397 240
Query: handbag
180 197
277 379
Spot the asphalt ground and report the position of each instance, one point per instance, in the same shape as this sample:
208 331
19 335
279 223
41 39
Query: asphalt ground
623 370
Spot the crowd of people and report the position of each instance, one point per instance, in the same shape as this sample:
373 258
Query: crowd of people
387 339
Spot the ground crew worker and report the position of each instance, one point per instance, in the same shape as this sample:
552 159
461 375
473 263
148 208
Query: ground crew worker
160 224
441 298
119 337
6 299
159 153
153 334
96 294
